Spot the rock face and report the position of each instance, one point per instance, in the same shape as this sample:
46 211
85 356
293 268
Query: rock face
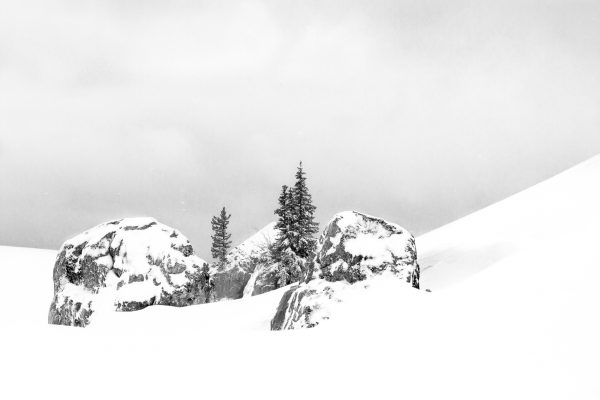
263 280
247 271
353 248
229 282
306 305
125 265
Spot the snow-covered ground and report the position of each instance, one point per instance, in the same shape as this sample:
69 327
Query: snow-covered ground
513 314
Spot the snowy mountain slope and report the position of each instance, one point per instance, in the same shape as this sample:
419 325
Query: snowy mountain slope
255 244
517 318
515 315
565 207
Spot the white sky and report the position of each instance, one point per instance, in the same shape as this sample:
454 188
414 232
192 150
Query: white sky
416 111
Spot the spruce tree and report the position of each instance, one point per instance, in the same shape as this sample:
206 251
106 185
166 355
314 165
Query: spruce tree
220 237
303 226
296 228
284 221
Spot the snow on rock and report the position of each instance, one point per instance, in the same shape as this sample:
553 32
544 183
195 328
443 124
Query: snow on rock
353 248
244 273
124 265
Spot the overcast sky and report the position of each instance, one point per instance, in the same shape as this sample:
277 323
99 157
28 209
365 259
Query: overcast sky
416 111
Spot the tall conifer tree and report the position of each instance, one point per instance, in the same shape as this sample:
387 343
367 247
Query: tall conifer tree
304 226
284 221
295 224
220 237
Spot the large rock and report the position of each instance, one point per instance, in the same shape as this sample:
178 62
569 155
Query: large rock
353 248
125 265
305 305
249 268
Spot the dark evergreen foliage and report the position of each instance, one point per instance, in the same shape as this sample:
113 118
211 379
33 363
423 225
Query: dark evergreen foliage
304 226
220 238
295 241
284 222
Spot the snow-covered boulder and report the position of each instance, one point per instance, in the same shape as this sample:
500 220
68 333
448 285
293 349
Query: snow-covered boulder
353 248
125 265
246 272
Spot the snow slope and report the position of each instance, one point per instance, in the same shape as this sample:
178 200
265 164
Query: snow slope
563 211
513 314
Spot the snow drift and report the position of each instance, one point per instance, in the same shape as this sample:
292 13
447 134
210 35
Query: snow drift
124 265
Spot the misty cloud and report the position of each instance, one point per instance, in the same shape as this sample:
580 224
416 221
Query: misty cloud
419 112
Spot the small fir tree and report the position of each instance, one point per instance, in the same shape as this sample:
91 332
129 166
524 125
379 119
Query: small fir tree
220 237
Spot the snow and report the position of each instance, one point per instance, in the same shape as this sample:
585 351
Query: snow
249 288
379 248
371 240
253 247
258 241
352 218
145 246
346 219
513 314
26 288
557 215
